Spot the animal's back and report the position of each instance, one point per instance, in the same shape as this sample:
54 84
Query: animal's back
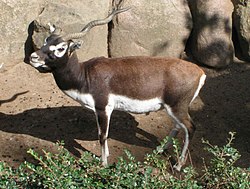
144 77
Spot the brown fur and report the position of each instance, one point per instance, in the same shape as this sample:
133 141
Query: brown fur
172 80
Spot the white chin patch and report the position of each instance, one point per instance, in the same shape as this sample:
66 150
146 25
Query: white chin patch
37 64
40 66
35 60
60 49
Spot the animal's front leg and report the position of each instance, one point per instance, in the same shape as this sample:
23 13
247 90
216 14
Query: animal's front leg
103 118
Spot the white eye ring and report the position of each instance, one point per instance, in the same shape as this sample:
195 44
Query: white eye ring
60 49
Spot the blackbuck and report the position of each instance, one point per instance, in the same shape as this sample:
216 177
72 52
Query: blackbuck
136 84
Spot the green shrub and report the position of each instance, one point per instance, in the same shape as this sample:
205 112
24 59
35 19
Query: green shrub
62 170
221 173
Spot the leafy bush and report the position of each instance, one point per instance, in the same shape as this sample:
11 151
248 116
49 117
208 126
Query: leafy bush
221 173
62 170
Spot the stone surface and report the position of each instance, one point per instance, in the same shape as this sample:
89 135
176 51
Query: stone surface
16 28
70 20
242 26
15 17
211 42
155 28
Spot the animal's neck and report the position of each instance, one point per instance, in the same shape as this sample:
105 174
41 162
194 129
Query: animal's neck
70 76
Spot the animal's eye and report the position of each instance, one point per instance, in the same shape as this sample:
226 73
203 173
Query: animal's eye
60 49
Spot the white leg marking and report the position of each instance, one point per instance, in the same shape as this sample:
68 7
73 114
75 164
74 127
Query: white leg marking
104 147
179 125
175 130
109 110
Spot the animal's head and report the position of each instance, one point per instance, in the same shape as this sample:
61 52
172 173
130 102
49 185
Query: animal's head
58 48
55 52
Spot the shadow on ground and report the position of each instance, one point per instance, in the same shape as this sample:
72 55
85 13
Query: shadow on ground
226 98
69 124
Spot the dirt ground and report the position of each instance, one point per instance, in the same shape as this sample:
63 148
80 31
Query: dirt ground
35 114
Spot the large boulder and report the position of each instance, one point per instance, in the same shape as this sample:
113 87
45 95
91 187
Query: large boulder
15 17
154 28
242 26
211 42
16 28
71 18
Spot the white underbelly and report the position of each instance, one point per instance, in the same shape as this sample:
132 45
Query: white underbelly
118 102
133 105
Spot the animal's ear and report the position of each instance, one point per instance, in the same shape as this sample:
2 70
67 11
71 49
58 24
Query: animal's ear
53 29
74 45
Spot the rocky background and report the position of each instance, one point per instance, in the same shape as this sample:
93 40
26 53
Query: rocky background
35 114
212 32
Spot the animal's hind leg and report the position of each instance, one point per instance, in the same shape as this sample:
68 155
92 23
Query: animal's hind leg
182 121
180 114
173 134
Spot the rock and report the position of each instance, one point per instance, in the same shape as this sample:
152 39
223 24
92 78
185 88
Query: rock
210 41
66 17
241 18
154 28
14 18
16 28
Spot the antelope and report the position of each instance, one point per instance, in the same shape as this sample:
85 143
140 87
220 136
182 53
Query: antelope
135 84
